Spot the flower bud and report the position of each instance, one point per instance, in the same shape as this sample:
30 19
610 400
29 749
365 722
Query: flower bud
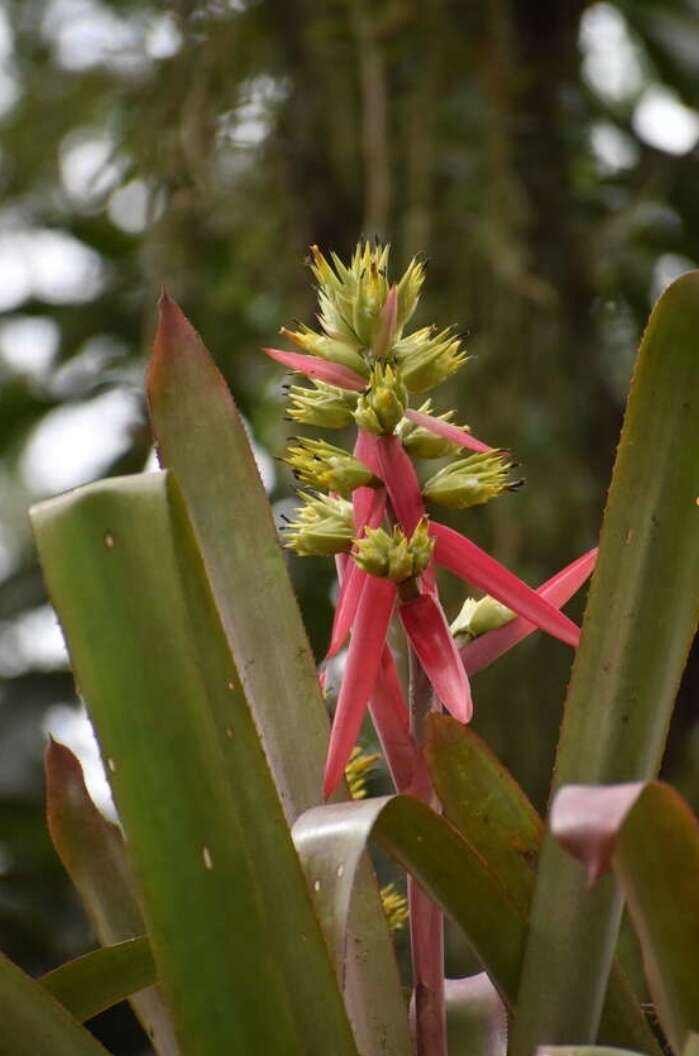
423 443
393 555
369 266
470 481
381 407
330 468
327 406
427 358
324 526
479 617
409 292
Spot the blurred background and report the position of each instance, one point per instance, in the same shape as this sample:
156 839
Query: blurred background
543 156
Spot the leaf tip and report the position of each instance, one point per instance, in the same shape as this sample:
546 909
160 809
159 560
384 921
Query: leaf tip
64 779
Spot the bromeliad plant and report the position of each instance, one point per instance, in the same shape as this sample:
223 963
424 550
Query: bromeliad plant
387 546
241 913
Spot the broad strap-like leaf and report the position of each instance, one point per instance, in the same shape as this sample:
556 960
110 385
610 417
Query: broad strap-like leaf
96 981
651 838
484 802
641 616
93 853
239 953
494 816
201 436
32 1023
331 840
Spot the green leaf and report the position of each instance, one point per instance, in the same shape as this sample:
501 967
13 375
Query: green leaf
331 840
93 854
201 437
239 952
641 616
33 1024
100 979
487 806
481 798
476 1017
650 836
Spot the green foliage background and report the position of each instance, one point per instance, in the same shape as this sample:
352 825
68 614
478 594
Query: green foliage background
240 132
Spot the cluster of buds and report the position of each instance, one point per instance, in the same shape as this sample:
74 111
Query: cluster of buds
320 465
323 525
364 369
393 555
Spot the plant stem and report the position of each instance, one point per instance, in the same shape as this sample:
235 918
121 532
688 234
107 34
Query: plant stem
426 919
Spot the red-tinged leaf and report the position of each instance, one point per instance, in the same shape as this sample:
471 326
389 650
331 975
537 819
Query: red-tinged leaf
650 837
557 591
430 637
352 577
398 474
464 559
93 853
390 717
448 431
346 608
363 659
585 819
640 619
313 367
